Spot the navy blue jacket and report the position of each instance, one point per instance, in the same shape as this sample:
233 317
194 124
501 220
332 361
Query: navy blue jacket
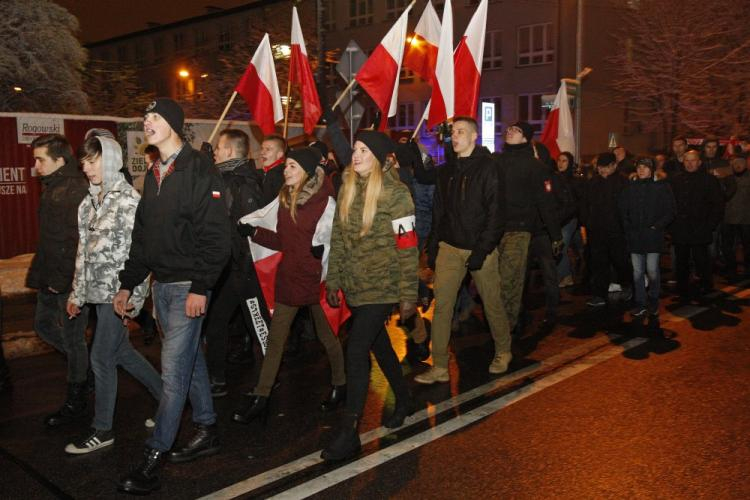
647 207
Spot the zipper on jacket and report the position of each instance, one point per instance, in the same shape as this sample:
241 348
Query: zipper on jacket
463 188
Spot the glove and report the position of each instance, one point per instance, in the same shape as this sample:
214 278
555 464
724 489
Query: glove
557 248
246 230
317 251
475 261
407 310
207 150
332 297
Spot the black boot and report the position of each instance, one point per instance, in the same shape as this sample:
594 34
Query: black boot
335 398
346 444
204 442
417 351
73 408
144 479
252 407
404 408
244 355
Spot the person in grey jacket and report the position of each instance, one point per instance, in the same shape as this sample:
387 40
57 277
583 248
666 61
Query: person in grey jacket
737 219
105 224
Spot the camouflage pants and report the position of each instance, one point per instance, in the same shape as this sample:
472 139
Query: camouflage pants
450 270
513 253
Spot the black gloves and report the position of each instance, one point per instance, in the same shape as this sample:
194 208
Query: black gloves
475 261
207 150
317 251
246 230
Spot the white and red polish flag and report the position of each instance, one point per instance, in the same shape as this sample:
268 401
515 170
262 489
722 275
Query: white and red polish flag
558 133
267 261
468 64
379 75
300 73
442 100
421 52
260 89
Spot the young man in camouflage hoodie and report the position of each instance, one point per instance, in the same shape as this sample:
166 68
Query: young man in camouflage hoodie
105 224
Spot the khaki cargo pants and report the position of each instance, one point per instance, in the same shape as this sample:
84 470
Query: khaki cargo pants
513 253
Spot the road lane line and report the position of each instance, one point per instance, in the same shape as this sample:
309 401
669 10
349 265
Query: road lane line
373 460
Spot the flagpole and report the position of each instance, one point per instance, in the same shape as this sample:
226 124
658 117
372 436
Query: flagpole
286 112
221 118
419 126
343 94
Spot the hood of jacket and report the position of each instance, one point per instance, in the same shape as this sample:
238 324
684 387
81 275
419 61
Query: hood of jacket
312 186
111 165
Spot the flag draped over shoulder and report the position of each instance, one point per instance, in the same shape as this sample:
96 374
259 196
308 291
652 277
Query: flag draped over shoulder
300 73
267 260
260 89
379 76
558 133
468 64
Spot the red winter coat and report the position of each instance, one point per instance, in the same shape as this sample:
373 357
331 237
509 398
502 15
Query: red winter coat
298 275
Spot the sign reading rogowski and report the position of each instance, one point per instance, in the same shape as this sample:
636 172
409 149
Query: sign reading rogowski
31 127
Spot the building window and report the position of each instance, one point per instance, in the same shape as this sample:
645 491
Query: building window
360 13
394 8
535 44
406 116
140 53
493 50
225 38
122 53
406 76
104 55
329 15
530 110
179 41
201 38
158 43
498 101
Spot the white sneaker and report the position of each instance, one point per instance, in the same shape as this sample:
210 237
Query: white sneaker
614 287
433 375
150 423
500 363
93 441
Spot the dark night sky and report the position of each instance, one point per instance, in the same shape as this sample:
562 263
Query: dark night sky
102 19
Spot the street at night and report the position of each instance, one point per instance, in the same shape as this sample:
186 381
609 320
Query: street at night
601 408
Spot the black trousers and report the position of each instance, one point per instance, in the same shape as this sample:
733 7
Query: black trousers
699 253
232 291
540 249
730 234
367 333
608 251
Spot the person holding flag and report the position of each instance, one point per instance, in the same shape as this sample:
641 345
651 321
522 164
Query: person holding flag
302 203
374 263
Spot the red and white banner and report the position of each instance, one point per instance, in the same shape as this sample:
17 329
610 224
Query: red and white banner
300 73
379 76
267 260
468 64
421 52
441 102
558 133
260 88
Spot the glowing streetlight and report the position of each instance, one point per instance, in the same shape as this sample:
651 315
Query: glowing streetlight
18 89
204 75
183 73
281 51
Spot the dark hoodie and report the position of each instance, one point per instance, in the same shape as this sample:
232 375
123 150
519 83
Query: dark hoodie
53 264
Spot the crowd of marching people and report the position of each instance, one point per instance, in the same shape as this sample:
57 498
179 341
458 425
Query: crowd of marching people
357 235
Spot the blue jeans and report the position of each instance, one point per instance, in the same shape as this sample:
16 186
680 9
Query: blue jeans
183 366
646 264
68 336
112 348
563 267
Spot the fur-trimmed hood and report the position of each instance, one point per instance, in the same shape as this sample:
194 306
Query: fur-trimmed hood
312 186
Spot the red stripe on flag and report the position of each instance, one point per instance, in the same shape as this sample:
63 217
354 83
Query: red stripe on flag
377 77
336 316
420 56
467 82
266 271
437 107
301 73
258 98
550 133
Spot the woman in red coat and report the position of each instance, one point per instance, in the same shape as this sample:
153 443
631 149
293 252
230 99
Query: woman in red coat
302 202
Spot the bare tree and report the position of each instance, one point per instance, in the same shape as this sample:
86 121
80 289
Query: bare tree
113 89
682 66
40 58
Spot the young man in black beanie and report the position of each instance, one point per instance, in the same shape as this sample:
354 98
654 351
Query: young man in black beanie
181 235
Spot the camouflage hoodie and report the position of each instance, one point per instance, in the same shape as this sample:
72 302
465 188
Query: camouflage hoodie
104 231
381 266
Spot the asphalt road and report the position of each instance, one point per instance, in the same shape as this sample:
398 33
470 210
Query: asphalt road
596 407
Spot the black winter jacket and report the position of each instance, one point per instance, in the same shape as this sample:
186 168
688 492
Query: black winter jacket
53 264
243 195
181 230
467 210
647 207
699 207
528 192
599 207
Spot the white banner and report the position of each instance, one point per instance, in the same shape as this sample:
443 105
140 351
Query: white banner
136 157
31 127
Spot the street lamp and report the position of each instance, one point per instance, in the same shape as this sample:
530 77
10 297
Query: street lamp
17 89
281 51
183 73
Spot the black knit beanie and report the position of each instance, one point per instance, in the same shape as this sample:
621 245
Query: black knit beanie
380 144
170 111
308 159
526 129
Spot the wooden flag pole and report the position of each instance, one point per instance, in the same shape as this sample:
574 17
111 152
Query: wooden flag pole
221 118
343 94
286 111
419 126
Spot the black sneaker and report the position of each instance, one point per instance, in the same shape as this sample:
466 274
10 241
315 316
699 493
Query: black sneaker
638 312
218 389
596 302
93 441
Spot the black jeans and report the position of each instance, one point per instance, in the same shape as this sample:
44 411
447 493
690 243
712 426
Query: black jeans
367 333
699 253
232 292
608 250
540 249
730 233
67 335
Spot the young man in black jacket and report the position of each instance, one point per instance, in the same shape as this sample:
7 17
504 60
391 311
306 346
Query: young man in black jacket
53 266
467 222
182 236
